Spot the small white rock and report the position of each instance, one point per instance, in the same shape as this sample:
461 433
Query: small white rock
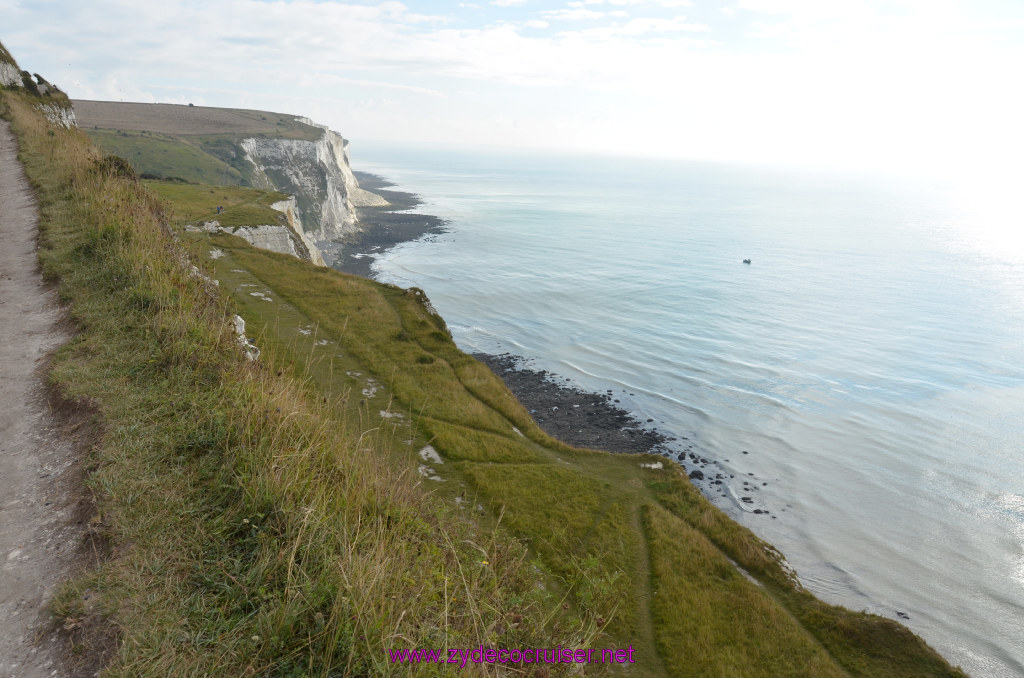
428 453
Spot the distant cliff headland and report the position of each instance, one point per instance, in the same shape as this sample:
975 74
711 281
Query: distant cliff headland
305 162
364 487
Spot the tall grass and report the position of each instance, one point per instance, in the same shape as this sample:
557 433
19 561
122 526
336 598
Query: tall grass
254 533
263 520
619 540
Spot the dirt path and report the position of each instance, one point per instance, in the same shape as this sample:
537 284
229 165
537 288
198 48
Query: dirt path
39 537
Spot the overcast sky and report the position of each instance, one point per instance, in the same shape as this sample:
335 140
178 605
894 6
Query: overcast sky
862 83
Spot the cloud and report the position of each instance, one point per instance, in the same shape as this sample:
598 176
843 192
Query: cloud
676 25
641 27
321 79
508 3
669 4
924 84
574 14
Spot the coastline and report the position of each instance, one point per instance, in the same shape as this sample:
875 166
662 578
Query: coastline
578 417
637 553
574 416
384 227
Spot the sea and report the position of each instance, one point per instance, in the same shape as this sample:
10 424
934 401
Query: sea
860 381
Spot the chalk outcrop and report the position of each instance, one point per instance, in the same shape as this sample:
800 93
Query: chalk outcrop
10 76
272 237
62 116
290 239
291 212
318 175
58 111
267 237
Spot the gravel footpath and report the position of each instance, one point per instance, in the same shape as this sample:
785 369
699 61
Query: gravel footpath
40 529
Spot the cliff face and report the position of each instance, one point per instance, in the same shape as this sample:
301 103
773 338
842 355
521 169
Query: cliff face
55 106
54 103
285 153
291 213
285 239
62 115
318 174
10 76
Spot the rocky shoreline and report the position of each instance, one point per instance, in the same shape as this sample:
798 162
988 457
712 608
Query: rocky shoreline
593 420
580 418
382 228
574 416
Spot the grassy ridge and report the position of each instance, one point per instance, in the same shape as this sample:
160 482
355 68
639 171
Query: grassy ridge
195 143
166 156
268 518
639 547
253 531
191 203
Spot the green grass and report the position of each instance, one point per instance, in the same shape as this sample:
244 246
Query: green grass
739 632
5 57
200 157
191 203
254 529
166 156
269 518
640 549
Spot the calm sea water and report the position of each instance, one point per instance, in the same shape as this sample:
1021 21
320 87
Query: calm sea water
869 360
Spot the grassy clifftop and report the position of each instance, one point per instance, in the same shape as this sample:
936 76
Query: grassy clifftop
198 144
366 486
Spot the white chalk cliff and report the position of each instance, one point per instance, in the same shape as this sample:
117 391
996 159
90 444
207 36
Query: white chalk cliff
291 213
285 239
318 175
59 112
62 116
10 76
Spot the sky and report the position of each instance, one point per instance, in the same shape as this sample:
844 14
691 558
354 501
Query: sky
914 85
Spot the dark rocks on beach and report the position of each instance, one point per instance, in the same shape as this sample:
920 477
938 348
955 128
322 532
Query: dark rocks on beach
574 416
696 475
381 228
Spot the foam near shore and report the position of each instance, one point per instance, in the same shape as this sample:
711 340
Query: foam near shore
383 226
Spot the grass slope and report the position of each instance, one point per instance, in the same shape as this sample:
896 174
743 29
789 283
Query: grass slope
252 528
191 203
198 144
271 518
6 57
639 547
165 156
